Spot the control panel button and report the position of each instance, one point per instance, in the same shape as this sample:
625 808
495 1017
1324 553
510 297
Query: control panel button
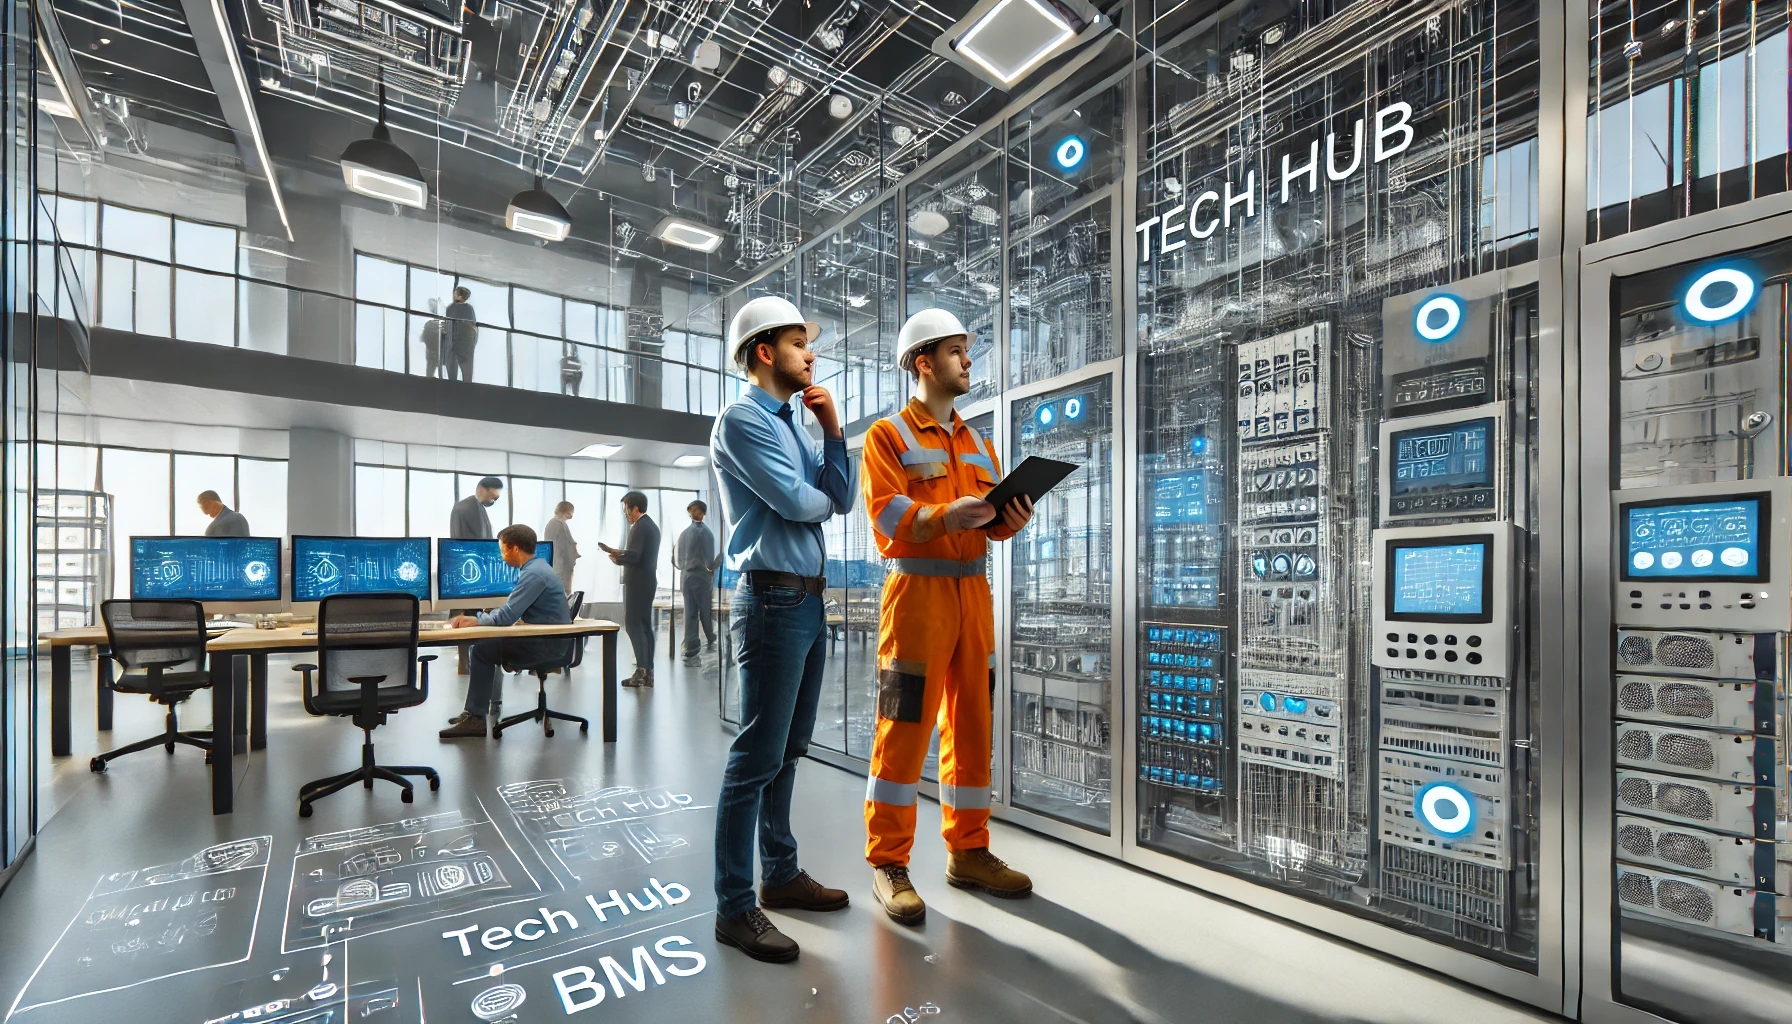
1430 655
1410 653
1431 638
1473 658
1393 638
1393 652
1450 655
1474 640
1450 639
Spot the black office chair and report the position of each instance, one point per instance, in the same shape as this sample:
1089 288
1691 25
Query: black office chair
566 662
367 667
161 646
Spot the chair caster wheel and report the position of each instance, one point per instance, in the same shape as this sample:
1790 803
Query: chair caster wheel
497 733
405 795
585 727
97 766
367 783
547 732
435 784
168 747
304 810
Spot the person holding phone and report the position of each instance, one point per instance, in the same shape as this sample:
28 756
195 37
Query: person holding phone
925 472
777 487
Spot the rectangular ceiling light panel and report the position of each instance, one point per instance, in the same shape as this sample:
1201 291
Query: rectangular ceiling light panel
689 234
1014 37
378 184
551 228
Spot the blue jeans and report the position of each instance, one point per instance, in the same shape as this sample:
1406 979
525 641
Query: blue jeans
781 643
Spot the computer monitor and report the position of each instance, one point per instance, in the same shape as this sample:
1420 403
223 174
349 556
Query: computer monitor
1439 580
229 574
322 566
1443 598
473 573
1445 464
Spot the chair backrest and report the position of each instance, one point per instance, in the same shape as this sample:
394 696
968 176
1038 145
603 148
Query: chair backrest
367 635
154 636
574 601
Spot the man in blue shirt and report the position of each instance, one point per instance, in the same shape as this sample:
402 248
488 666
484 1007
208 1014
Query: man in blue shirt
777 488
536 597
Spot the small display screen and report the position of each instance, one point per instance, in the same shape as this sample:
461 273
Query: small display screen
476 568
322 566
1443 580
1450 457
1717 539
206 568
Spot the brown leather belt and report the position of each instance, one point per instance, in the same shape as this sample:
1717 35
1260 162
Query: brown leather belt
765 579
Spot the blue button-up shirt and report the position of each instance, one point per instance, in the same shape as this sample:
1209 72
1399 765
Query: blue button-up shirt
777 488
536 597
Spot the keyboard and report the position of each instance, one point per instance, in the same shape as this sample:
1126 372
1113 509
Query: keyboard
433 625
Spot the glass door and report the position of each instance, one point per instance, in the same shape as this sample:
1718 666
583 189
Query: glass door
1687 507
1061 656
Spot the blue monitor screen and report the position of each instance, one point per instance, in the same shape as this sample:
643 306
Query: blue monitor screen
1453 456
1439 580
322 566
476 568
206 568
1719 539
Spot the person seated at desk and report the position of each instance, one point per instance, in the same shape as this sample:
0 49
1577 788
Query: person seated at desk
536 598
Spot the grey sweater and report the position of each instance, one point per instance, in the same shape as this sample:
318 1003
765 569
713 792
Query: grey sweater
696 553
469 521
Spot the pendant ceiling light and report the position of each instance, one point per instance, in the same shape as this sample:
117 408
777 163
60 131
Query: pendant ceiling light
534 212
377 168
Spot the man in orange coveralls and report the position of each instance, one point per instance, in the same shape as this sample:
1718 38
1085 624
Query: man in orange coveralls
924 472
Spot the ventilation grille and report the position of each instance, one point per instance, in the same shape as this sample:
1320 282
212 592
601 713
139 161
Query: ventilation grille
1636 696
1685 750
1636 651
1638 794
1681 650
1683 700
1683 899
1684 801
1636 745
1636 890
1685 849
1637 840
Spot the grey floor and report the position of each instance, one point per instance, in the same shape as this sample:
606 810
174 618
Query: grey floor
275 929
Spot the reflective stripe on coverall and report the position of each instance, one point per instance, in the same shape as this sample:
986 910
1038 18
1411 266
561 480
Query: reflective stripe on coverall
936 634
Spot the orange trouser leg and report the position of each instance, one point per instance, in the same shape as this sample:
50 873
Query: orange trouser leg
965 723
918 631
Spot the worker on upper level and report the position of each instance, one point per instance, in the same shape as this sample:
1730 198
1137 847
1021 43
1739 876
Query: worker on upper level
925 472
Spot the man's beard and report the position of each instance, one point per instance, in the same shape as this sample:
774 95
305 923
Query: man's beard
788 380
954 386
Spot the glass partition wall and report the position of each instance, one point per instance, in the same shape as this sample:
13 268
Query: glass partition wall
1282 633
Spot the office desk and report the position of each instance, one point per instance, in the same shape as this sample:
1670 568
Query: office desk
251 717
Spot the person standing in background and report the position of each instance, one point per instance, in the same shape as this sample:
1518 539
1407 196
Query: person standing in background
463 335
226 522
469 520
433 337
640 561
566 550
697 556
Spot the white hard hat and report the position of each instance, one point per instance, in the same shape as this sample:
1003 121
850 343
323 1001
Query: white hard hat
923 328
763 314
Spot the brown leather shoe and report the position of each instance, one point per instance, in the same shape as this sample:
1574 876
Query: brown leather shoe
897 895
803 893
467 726
754 934
980 869
642 677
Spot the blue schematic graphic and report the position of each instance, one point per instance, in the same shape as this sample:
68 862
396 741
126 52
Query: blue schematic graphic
206 568
1706 540
1438 580
322 566
476 568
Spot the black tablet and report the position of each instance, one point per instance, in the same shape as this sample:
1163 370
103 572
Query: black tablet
1033 478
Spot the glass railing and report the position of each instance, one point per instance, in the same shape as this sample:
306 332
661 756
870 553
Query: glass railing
164 300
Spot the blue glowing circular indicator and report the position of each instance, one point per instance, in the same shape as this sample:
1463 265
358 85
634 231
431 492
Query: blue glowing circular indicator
1073 408
1446 809
1267 702
1045 415
1070 152
1438 317
1718 295
1197 444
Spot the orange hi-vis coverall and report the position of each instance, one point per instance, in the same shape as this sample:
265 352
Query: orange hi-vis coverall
936 630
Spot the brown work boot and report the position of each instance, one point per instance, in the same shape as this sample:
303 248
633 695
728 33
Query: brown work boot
642 677
897 895
802 893
467 726
754 934
980 869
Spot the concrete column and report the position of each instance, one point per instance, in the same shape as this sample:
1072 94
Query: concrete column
320 483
